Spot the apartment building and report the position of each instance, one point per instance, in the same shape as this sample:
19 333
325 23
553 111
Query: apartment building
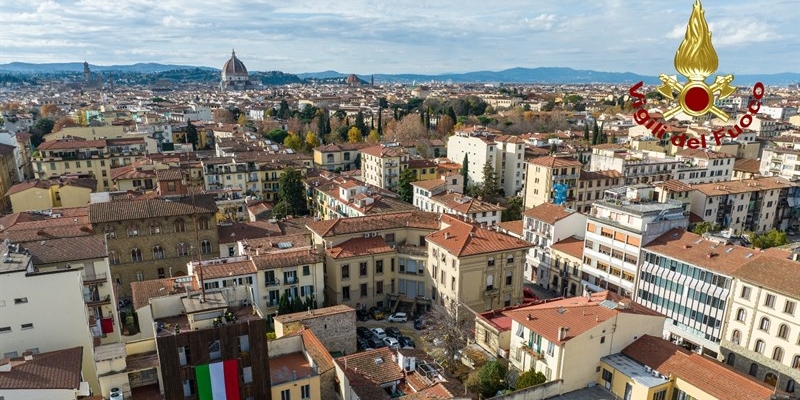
9 172
703 166
543 173
780 161
39 195
652 368
617 228
544 225
511 170
294 372
689 279
155 238
764 125
592 185
251 174
674 190
382 164
423 168
762 333
480 148
462 254
746 168
565 270
439 196
372 260
636 167
748 205
342 156
563 338
341 197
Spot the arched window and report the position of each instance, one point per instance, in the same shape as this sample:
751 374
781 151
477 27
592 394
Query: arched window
741 315
113 257
764 325
180 226
139 276
790 386
777 354
133 230
770 379
731 359
205 247
182 250
158 252
796 362
753 369
489 282
736 336
783 331
136 255
202 223
155 229
759 347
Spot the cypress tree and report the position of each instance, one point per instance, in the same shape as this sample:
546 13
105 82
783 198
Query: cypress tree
586 132
465 171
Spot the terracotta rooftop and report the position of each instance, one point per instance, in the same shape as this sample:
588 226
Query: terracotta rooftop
283 259
59 369
382 151
751 165
674 185
172 174
150 208
773 270
247 230
289 367
72 143
514 227
215 271
555 162
743 186
131 172
716 379
548 213
703 153
429 184
580 314
692 249
330 148
360 246
143 291
344 226
598 175
375 365
319 312
465 239
571 246
464 204
21 187
317 350
67 249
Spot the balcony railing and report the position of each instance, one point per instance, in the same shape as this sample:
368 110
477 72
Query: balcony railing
492 291
274 282
94 300
94 278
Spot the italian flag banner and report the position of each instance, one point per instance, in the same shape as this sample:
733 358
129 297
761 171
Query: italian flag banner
218 381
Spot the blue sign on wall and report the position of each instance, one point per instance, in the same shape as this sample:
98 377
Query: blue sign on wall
560 193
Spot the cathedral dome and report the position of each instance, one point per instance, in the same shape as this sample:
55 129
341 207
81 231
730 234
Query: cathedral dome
234 67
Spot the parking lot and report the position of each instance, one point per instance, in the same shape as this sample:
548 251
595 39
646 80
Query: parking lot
405 328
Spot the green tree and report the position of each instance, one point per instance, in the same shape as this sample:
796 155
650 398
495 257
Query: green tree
284 305
705 226
451 112
323 123
293 142
382 103
530 378
291 195
404 188
242 120
586 132
465 171
773 238
283 110
354 135
276 135
490 379
549 106
191 135
595 134
362 127
489 181
42 127
513 211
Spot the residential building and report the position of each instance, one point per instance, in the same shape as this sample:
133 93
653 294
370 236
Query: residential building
493 330
423 168
294 373
435 195
38 304
591 186
373 374
746 168
155 238
382 164
8 172
704 166
764 125
252 174
39 195
511 169
778 113
543 173
780 161
335 326
674 190
340 197
654 369
544 225
762 333
47 375
461 254
342 156
561 339
479 148
636 167
748 205
689 279
566 268
617 228
211 342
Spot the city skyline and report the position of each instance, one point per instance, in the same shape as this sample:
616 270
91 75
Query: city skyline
366 37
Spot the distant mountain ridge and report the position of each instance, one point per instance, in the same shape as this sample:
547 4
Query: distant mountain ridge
543 75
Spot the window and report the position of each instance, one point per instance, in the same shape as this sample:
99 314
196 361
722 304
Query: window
379 287
26 326
662 395
133 230
182 250
306 270
509 277
139 276
769 301
796 362
155 229
21 300
551 347
362 269
745 292
346 271
783 331
158 253
736 336
286 394
161 274
764 324
379 266
180 226
788 307
346 293
741 315
205 247
202 223
777 354
759 347
363 288
5 329
305 392
214 352
136 255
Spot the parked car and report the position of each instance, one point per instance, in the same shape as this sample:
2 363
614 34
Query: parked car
419 324
392 332
378 333
391 342
363 344
406 342
377 313
363 332
398 317
376 343
362 315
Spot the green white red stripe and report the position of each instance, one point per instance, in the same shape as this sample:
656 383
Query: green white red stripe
218 381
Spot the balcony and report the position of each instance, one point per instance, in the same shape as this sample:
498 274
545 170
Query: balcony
94 278
492 291
535 353
96 300
274 282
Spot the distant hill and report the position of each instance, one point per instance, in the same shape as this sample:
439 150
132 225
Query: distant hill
49 68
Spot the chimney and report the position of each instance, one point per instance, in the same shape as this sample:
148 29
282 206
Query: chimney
561 333
596 318
447 235
28 355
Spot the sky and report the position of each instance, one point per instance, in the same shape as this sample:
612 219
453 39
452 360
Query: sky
399 36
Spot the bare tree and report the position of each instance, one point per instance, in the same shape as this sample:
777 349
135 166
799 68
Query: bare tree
449 328
409 128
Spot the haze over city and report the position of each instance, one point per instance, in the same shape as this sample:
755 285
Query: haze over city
399 37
